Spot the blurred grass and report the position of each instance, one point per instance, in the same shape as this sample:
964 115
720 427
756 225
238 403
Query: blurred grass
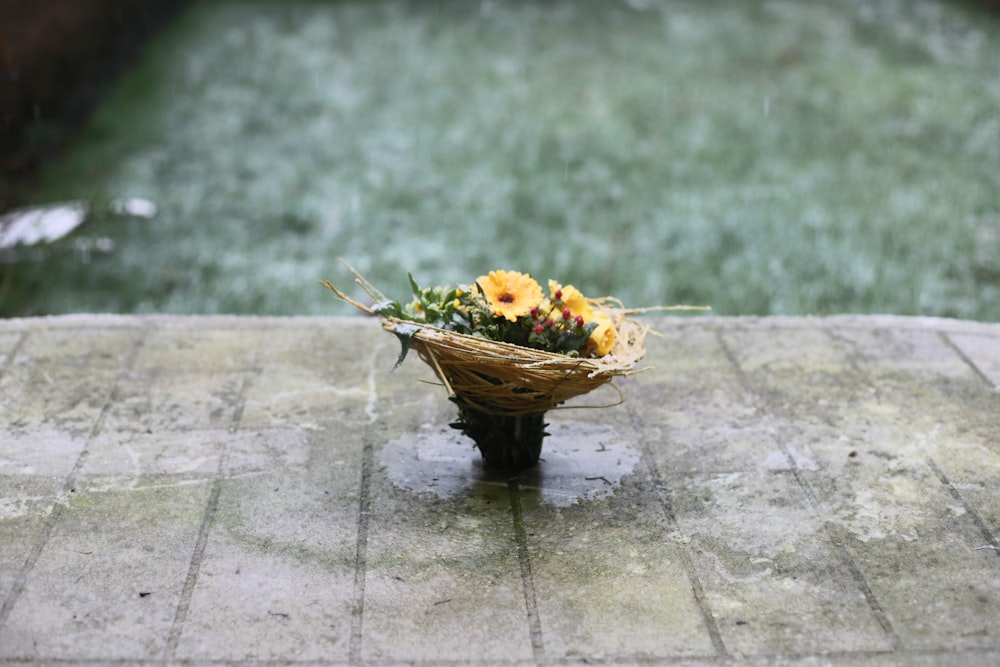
803 157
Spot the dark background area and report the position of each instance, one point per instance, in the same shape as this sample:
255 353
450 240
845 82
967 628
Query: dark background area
56 59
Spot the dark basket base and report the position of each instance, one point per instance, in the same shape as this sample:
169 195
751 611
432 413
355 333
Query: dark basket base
509 444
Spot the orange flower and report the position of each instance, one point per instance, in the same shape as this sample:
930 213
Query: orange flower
603 338
510 294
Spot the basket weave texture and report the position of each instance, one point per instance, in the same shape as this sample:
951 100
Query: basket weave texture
508 379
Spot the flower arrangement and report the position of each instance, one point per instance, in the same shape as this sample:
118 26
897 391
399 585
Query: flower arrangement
507 352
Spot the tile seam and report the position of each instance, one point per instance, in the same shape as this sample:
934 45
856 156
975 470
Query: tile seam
527 579
355 645
946 339
991 539
666 506
184 604
208 519
356 641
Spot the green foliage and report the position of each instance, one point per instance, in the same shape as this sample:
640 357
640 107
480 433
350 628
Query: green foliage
803 157
465 310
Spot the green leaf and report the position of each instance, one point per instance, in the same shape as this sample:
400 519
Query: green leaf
388 308
405 333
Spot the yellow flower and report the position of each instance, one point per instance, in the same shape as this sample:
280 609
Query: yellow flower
510 294
603 338
573 299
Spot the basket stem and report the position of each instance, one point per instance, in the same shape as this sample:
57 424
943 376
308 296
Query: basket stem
508 443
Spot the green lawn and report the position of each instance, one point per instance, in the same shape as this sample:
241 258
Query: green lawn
786 157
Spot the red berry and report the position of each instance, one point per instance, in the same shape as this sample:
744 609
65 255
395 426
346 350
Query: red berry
579 320
539 328
550 322
567 313
558 294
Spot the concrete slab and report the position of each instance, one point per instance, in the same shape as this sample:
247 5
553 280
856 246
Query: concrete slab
222 490
106 583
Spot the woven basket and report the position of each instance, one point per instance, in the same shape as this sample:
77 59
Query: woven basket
504 390
502 378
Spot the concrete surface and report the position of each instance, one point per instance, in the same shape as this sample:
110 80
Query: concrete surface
211 490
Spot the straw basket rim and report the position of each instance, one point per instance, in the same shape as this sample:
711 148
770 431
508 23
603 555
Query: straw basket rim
492 350
505 378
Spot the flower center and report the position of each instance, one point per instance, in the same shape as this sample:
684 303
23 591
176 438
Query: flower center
507 298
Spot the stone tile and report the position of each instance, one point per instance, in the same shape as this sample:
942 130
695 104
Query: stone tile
695 412
920 554
254 605
292 396
255 450
906 418
107 583
85 347
61 379
795 371
25 503
816 401
333 345
170 401
117 455
190 345
772 579
452 612
786 352
920 542
277 578
121 455
442 578
960 658
340 349
864 436
903 353
39 451
308 381
609 581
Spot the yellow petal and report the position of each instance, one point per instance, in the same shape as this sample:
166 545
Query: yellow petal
510 294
